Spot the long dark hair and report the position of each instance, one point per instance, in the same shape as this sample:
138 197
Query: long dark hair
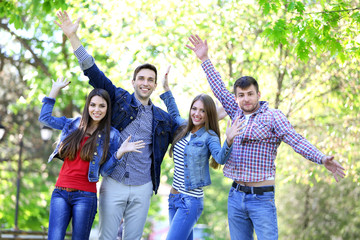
211 123
71 144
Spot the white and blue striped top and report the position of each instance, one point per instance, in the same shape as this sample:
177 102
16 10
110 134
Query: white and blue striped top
179 179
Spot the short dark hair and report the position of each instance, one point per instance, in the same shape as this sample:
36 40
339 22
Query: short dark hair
145 66
245 82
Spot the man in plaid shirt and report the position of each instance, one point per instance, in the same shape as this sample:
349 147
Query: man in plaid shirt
251 203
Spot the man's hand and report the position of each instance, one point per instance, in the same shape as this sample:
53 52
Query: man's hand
128 146
334 167
69 28
200 47
165 81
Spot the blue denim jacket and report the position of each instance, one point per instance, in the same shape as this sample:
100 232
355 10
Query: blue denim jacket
67 126
124 111
201 146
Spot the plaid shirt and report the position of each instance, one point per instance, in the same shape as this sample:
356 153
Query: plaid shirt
254 152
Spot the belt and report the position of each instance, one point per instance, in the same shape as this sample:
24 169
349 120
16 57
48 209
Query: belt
67 189
252 190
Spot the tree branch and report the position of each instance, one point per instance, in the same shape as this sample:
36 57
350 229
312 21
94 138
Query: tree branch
345 10
24 42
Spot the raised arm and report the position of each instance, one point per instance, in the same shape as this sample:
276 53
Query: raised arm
169 100
97 78
46 117
200 48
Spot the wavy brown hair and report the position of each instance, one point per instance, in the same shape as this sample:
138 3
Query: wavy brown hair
72 143
211 123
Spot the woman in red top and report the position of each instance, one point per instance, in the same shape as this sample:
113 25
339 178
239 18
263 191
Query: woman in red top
87 145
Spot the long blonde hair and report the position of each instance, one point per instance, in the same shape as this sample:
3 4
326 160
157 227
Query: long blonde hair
211 123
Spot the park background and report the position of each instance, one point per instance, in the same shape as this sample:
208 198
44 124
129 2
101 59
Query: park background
304 54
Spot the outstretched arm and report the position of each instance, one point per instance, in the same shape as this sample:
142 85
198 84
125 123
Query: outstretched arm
69 28
128 146
169 100
200 47
334 167
45 116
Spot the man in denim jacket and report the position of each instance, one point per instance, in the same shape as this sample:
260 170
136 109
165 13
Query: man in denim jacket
126 192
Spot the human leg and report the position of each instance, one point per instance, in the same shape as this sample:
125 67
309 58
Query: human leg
184 212
262 211
60 215
136 210
83 211
240 224
113 199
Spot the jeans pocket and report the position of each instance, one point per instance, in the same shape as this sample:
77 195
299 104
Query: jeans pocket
87 194
231 192
266 196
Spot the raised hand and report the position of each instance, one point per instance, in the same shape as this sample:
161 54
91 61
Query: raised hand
234 130
57 85
165 81
128 146
200 47
69 28
334 167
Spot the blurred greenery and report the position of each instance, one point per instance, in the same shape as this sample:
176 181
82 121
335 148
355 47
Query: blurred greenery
304 55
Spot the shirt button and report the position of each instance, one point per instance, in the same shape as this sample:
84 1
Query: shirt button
93 162
99 135
95 153
131 117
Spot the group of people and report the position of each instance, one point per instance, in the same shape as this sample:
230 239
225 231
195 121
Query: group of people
124 137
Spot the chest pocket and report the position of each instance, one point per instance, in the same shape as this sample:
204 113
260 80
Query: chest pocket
260 131
121 111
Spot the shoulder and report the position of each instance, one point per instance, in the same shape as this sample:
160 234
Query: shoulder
161 114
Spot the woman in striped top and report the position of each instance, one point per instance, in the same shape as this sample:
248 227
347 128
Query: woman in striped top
194 143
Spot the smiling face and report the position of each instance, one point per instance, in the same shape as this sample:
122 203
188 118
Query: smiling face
144 84
97 108
248 99
198 115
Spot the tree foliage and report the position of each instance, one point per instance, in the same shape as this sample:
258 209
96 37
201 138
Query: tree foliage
304 55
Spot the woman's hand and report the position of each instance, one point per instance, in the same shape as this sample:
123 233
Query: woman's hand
234 130
128 146
165 81
57 85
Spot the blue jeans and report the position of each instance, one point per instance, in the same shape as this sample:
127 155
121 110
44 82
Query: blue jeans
249 211
184 212
80 206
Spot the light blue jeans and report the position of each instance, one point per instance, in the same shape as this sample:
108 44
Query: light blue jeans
249 211
184 212
120 201
80 206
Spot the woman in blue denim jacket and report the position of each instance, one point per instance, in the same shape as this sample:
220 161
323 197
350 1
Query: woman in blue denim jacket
87 145
195 142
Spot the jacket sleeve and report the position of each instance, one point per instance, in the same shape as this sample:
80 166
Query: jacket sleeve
97 78
46 117
172 108
220 154
111 161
